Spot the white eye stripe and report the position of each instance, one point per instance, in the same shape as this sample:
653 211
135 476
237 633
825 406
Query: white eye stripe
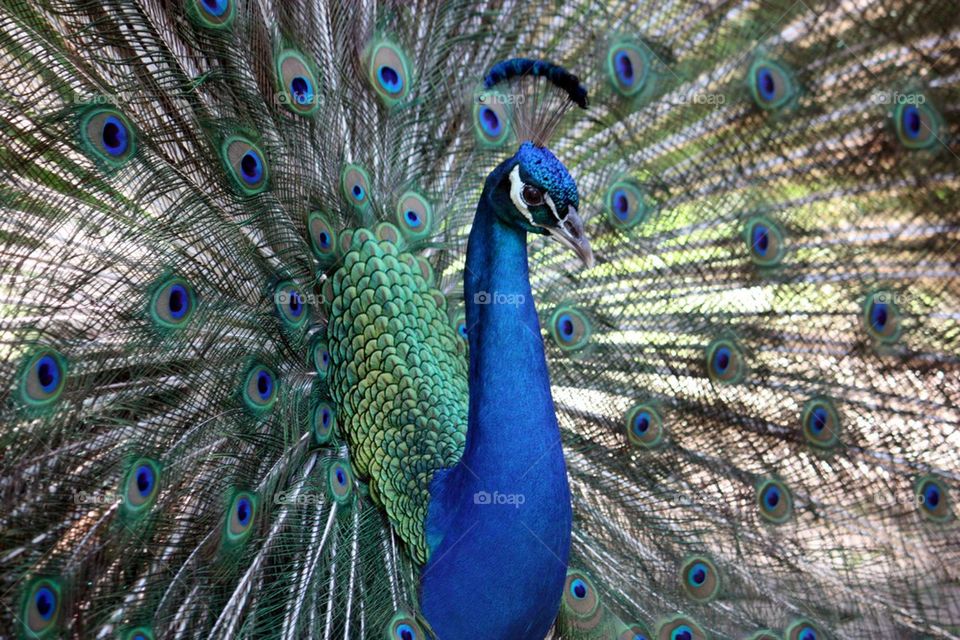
516 187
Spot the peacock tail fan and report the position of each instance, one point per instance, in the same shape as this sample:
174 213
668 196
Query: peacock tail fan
233 342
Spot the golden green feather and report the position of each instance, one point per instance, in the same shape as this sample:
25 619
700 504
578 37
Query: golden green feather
398 377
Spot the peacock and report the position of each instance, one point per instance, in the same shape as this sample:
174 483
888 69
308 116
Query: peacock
503 319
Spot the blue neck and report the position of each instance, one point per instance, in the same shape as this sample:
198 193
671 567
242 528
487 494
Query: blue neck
499 521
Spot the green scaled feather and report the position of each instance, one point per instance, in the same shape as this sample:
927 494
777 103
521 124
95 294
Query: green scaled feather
405 388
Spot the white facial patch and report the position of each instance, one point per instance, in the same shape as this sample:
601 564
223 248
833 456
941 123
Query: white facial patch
516 186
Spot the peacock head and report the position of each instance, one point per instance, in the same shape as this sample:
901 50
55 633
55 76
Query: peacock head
535 192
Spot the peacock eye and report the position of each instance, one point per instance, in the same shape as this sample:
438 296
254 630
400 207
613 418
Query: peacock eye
644 426
700 578
324 422
404 627
240 517
775 500
260 388
41 609
140 486
340 481
532 196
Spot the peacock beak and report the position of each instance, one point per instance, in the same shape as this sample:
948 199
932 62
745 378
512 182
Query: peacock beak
570 233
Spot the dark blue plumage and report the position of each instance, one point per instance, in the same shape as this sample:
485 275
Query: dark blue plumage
499 521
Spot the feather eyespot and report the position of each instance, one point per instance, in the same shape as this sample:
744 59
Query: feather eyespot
290 304
340 481
775 501
323 238
881 317
245 164
628 66
260 388
403 626
645 426
764 240
321 358
725 362
141 486
569 328
917 123
41 608
771 85
491 118
109 136
700 578
241 515
298 83
43 378
171 304
934 499
389 72
356 186
212 14
581 601
820 423
324 422
414 216
679 628
626 204
140 633
460 325
802 630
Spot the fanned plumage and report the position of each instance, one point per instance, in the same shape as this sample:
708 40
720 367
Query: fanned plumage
208 429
